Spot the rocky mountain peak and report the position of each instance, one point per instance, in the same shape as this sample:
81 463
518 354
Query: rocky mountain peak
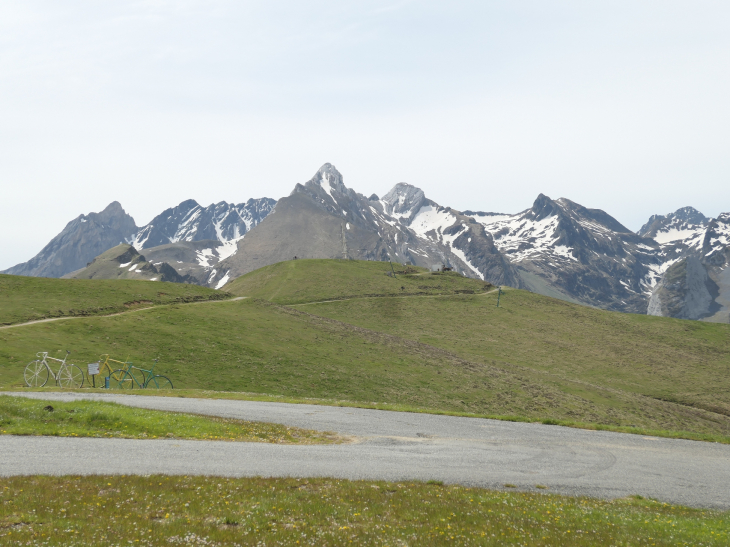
683 218
188 221
80 241
113 209
403 200
689 214
329 179
544 207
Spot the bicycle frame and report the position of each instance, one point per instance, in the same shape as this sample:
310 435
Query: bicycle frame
145 377
104 361
37 373
44 356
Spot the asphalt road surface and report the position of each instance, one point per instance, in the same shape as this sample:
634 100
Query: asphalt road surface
396 446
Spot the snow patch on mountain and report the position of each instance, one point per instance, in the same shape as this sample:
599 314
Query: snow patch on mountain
326 186
692 236
656 271
521 238
430 218
204 257
222 281
225 222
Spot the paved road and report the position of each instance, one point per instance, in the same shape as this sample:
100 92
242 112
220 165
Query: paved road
397 446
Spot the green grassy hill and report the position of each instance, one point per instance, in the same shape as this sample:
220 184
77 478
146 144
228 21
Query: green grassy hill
443 346
31 298
298 281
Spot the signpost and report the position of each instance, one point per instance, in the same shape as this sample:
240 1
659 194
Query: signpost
499 294
93 370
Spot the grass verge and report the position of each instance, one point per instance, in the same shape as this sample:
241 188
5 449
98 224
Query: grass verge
20 416
164 510
236 396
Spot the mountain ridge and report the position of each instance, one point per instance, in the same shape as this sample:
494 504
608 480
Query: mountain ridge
676 264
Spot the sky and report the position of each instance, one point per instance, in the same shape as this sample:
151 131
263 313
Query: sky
617 105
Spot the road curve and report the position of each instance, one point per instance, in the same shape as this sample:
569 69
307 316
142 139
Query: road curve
396 446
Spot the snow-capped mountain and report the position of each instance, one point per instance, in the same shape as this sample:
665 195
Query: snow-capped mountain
219 225
694 277
322 218
680 224
224 222
585 255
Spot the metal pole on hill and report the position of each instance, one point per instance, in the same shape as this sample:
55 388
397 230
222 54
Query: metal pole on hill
499 293
391 268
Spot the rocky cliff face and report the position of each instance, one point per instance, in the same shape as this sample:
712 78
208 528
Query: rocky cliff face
693 275
81 240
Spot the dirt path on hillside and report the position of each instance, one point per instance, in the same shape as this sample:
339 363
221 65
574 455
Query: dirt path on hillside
392 296
114 314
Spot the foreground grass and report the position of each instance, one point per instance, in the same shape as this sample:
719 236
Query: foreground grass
20 416
163 510
31 298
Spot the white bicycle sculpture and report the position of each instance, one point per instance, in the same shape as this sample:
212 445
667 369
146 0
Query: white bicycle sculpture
37 372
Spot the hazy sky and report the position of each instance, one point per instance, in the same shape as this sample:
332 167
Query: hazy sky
618 105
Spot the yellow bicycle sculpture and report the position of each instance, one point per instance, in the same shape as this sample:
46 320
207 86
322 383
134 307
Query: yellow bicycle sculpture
112 368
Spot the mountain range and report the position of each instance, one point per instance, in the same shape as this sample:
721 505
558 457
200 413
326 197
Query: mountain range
675 265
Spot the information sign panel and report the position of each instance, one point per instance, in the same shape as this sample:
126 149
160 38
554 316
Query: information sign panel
93 368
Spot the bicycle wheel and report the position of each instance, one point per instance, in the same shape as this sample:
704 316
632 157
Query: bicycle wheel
70 376
159 382
125 380
115 376
36 374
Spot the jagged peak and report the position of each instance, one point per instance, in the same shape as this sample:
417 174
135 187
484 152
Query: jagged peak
328 178
188 204
683 215
403 199
113 207
685 212
544 207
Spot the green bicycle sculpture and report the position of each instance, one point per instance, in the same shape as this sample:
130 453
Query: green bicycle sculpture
126 379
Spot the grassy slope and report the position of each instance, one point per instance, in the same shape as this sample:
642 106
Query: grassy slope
619 362
687 362
19 416
534 357
297 281
254 346
164 510
30 298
